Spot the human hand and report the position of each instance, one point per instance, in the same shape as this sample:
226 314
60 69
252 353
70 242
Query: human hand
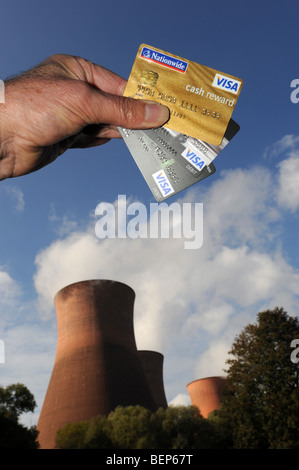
65 102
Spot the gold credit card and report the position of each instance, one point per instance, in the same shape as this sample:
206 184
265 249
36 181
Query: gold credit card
201 100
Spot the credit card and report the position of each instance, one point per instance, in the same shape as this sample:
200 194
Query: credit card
167 161
164 176
201 99
189 150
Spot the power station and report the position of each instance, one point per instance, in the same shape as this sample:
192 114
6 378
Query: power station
97 365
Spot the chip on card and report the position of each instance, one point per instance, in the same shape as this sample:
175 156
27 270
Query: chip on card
201 99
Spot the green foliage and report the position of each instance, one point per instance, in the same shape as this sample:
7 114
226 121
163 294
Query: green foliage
99 434
183 427
93 434
72 435
135 427
14 400
261 401
130 427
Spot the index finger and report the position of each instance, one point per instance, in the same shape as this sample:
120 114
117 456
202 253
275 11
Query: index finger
102 78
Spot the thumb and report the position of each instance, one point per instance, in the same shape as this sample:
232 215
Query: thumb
128 112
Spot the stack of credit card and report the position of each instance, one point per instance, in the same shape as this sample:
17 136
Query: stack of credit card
201 101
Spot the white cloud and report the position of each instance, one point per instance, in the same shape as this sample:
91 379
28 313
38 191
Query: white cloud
287 143
288 183
64 225
18 195
181 399
9 289
239 208
29 345
213 320
29 358
212 361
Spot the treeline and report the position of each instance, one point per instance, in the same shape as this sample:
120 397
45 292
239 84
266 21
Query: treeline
135 427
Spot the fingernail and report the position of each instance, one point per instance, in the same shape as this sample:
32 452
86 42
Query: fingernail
156 113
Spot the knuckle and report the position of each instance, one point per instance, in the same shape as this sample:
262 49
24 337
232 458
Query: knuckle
131 111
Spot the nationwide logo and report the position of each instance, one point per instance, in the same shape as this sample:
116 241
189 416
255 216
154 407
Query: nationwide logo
163 183
226 83
163 59
193 158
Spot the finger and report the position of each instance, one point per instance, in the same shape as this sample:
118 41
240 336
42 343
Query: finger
108 81
87 71
84 141
126 112
101 130
102 78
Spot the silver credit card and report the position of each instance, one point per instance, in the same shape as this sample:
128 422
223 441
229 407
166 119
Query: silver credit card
170 161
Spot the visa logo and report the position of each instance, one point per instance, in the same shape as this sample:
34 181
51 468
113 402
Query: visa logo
226 83
163 183
193 158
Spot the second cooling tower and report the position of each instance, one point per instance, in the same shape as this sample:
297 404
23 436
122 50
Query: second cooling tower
206 394
97 366
152 363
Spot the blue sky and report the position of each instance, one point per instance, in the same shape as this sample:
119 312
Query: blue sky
190 304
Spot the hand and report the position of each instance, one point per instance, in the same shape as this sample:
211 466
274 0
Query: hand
65 102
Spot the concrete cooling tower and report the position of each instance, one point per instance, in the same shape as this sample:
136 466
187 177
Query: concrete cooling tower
206 394
152 363
97 366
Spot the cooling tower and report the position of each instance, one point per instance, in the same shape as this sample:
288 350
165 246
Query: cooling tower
97 366
152 363
206 394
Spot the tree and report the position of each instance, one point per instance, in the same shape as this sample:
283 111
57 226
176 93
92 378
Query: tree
261 399
14 400
183 427
92 434
135 427
72 435
130 427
